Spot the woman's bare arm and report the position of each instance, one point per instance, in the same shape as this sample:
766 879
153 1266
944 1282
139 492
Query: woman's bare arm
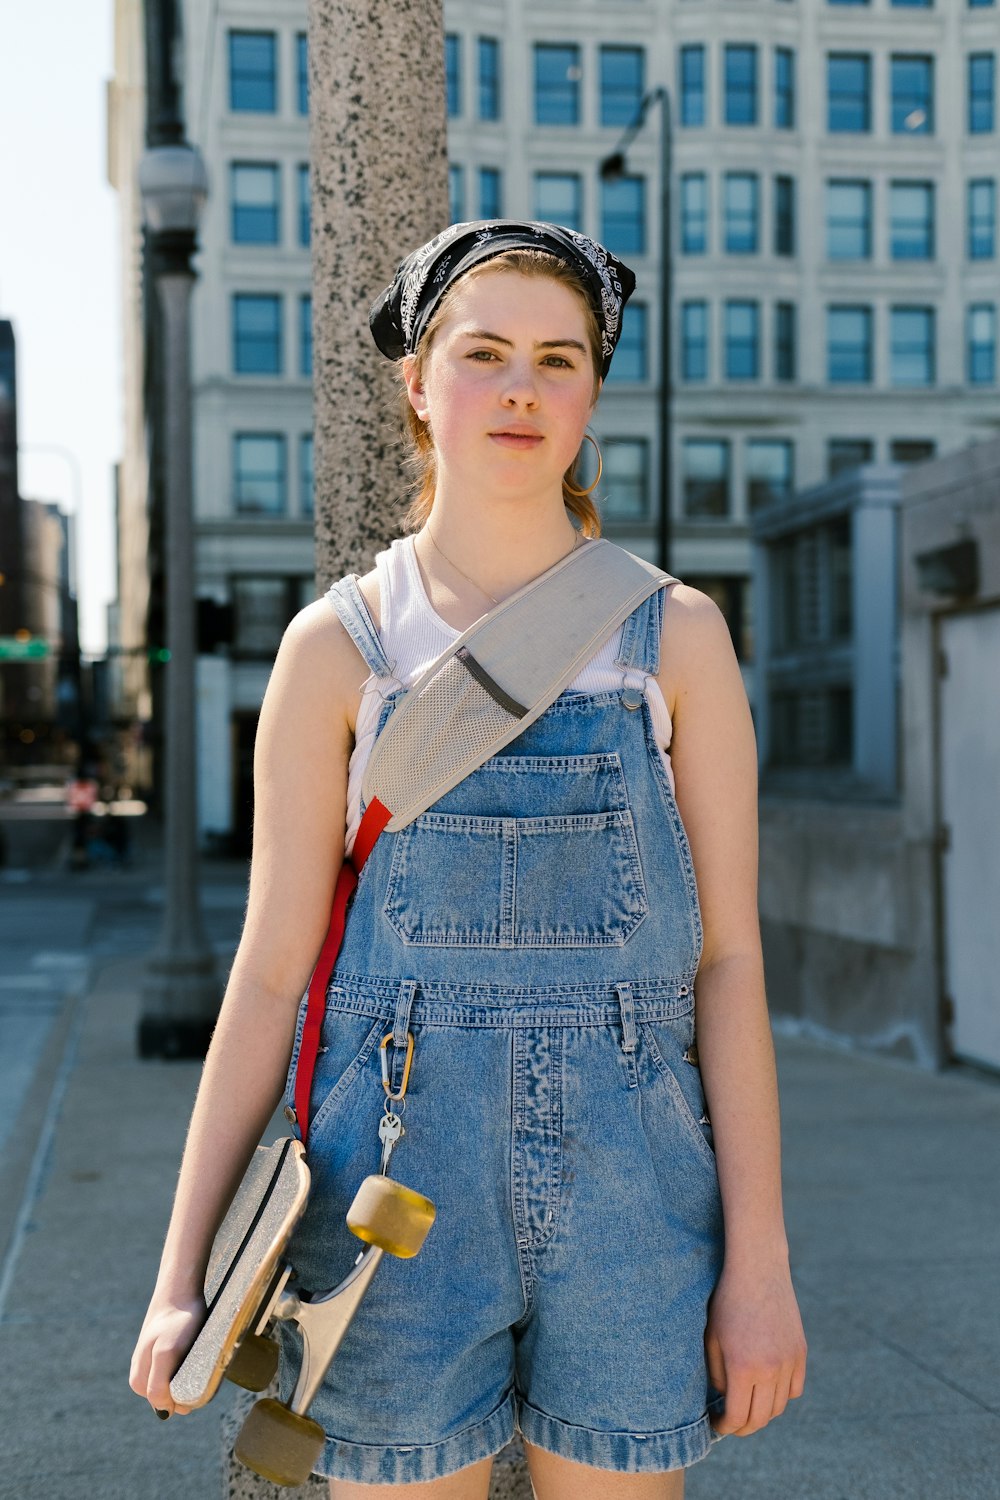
755 1343
300 790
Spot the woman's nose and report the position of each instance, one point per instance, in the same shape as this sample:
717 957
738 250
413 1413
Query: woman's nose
520 387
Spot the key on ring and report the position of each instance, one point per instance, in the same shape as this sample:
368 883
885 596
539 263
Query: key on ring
390 1129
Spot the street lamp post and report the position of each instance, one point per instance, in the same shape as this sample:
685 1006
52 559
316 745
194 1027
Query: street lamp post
181 989
614 166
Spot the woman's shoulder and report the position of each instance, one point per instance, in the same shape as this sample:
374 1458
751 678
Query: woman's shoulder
694 641
317 657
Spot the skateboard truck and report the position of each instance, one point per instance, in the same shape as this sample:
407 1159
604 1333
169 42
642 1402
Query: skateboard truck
245 1293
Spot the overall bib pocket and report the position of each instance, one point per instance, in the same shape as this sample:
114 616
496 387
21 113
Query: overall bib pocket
477 872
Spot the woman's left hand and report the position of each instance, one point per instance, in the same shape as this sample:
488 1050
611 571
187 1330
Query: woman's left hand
755 1346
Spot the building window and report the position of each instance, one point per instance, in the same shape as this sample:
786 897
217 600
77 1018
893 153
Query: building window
305 336
622 84
706 477
262 609
912 95
981 337
694 213
256 334
982 218
489 78
911 450
253 71
259 473
302 71
694 341
631 356
255 195
811 587
456 193
912 346
304 209
912 220
490 195
558 199
557 84
981 87
769 471
623 215
740 84
742 336
692 85
453 74
848 453
625 482
848 91
784 216
812 728
306 473
784 88
848 345
785 362
741 213
848 220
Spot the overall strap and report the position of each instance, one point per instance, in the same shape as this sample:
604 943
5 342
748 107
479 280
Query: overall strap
346 598
640 647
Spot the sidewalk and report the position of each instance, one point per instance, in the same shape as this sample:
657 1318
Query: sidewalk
892 1205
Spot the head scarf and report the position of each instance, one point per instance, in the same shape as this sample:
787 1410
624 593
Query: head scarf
402 312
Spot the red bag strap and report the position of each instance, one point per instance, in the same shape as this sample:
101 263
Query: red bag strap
375 818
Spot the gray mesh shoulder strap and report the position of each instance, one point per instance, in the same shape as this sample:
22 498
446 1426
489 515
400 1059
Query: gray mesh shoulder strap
502 674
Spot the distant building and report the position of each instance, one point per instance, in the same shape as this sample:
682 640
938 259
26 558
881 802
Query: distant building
38 613
834 228
879 717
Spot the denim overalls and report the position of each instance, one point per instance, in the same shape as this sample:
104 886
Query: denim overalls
538 932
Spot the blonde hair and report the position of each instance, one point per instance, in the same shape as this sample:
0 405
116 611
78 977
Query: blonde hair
420 457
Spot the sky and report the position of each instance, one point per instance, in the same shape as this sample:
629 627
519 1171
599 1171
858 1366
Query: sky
60 272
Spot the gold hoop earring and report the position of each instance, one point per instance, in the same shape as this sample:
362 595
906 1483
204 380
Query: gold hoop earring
579 494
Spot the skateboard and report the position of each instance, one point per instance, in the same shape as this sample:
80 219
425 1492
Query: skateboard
245 1292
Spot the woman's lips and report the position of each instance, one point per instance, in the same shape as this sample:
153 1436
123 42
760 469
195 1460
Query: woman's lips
516 439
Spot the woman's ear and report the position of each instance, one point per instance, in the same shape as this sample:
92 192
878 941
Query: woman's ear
415 393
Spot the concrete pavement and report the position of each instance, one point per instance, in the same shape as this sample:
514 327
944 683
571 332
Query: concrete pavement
891 1197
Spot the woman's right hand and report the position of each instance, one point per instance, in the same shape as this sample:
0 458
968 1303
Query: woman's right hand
170 1328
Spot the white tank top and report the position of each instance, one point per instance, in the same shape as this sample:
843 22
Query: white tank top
413 634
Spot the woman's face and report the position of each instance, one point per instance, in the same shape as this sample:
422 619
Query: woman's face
508 385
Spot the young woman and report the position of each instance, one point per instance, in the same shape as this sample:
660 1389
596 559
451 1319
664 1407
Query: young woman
608 1269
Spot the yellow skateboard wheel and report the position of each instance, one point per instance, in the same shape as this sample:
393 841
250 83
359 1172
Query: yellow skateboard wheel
391 1216
278 1444
255 1363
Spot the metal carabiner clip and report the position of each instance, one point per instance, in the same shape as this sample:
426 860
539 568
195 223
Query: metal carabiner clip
384 1059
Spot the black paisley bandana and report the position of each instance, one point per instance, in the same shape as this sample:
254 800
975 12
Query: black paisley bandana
401 313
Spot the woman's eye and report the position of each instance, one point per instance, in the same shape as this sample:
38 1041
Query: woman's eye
559 361
482 356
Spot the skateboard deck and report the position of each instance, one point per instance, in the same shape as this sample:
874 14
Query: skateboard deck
245 1273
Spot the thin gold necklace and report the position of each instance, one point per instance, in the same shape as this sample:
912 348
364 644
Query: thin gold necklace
475 585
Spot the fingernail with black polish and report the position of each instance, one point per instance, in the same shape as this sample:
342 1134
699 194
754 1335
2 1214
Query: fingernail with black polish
163 1415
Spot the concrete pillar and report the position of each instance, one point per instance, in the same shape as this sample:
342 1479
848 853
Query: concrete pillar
379 188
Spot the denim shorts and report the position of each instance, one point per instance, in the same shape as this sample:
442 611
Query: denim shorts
562 1290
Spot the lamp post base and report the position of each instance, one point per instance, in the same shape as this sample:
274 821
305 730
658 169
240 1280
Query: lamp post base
180 1005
